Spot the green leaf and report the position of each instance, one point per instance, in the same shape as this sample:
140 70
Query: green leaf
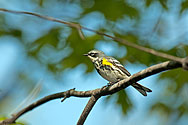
186 50
162 2
148 2
3 118
122 100
165 109
52 38
79 47
113 9
182 110
184 6
13 32
178 75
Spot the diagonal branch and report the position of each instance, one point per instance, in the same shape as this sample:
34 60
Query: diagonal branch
168 65
87 109
117 39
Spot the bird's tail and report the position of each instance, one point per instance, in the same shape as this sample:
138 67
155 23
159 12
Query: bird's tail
141 89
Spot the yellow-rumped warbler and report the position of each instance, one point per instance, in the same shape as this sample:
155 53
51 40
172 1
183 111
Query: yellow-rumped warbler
112 70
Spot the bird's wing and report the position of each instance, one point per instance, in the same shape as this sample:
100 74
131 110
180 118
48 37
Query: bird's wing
118 64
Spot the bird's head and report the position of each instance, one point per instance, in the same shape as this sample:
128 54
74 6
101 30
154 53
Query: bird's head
94 55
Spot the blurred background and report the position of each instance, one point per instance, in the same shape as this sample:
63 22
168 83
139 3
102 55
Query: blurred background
40 57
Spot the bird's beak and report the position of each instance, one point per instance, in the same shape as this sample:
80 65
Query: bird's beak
85 54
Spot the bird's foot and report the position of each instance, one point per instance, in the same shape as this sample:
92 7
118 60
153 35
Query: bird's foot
110 83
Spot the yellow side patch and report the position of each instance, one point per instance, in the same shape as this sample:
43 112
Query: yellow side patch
105 62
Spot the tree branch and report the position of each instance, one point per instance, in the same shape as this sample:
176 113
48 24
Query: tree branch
168 65
87 109
97 93
117 39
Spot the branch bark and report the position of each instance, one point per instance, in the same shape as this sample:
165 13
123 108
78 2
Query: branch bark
87 109
117 39
168 65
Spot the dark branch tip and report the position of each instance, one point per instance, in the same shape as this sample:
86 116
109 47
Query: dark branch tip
67 94
185 63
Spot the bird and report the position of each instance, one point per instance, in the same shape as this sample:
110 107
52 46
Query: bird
112 70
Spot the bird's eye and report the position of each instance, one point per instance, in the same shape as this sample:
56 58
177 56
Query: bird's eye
93 54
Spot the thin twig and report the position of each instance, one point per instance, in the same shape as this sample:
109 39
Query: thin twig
117 39
79 29
67 95
101 91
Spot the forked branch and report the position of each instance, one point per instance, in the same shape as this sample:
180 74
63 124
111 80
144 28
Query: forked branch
168 65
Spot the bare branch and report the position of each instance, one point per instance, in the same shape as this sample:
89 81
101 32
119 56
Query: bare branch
67 95
185 63
79 29
117 39
36 104
87 109
101 91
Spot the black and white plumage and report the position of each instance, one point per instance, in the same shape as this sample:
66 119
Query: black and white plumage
112 70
